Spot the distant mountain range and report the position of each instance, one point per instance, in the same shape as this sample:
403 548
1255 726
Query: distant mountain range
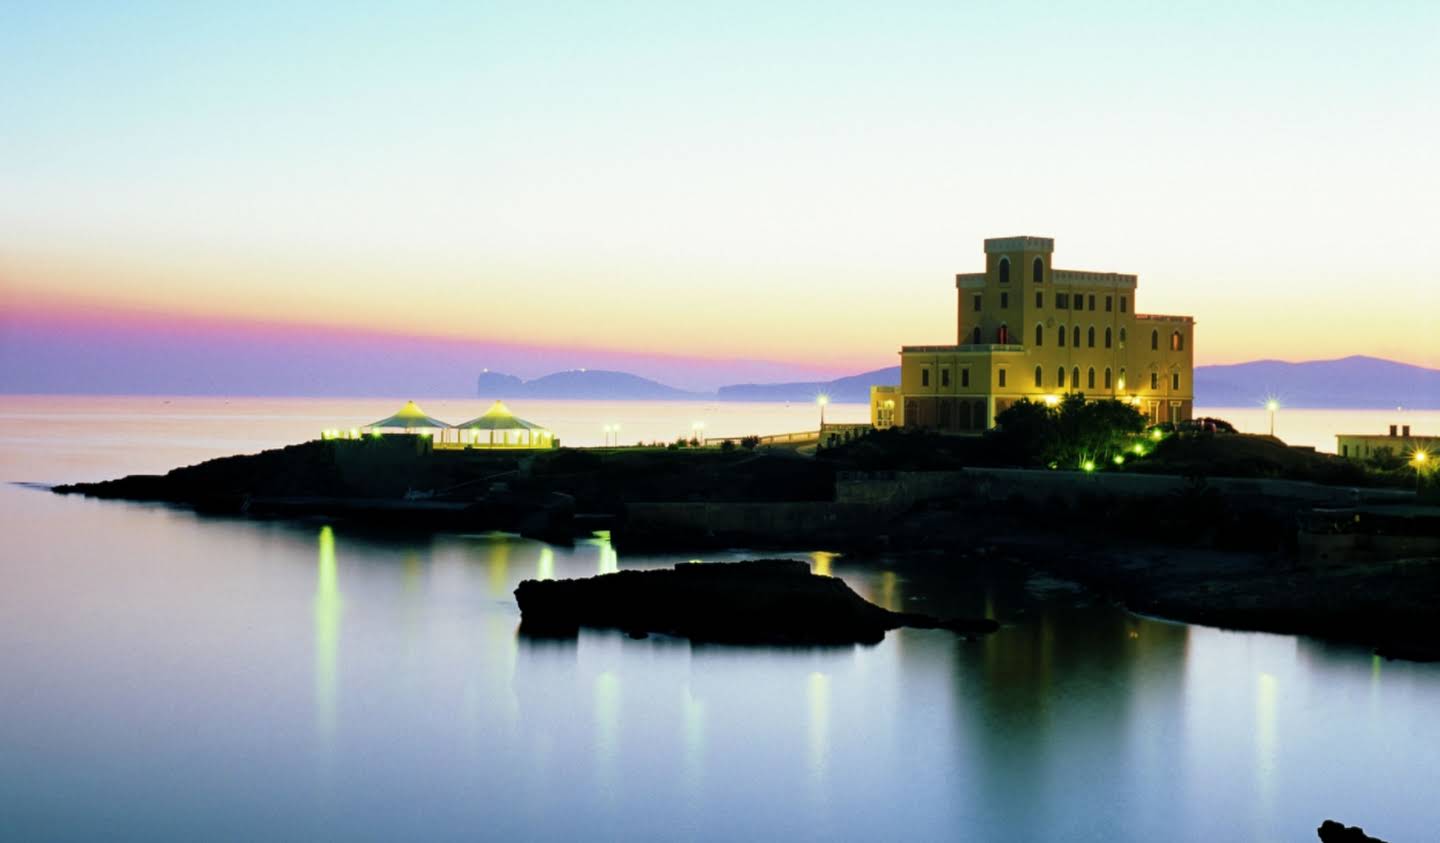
1351 382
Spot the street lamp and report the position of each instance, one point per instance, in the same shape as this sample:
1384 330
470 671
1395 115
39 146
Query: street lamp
1419 460
1271 406
696 429
822 399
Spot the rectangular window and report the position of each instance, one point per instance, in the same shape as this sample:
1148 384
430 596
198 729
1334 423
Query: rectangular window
1092 301
1109 303
977 304
1039 300
1154 380
1124 304
924 377
944 377
1175 381
1004 301
964 377
1001 378
1062 301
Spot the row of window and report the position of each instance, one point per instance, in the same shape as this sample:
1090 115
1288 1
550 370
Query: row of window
1089 336
1037 271
1002 337
1062 302
1059 378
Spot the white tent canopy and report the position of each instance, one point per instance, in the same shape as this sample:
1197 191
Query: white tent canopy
409 419
499 427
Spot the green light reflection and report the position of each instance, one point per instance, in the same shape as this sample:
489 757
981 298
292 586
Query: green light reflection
327 633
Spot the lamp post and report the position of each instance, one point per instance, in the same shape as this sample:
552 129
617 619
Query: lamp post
1271 406
615 429
822 400
607 435
696 429
1420 459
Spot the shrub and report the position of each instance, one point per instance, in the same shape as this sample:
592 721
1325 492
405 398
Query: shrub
750 442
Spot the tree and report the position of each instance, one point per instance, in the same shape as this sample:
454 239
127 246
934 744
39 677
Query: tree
1067 435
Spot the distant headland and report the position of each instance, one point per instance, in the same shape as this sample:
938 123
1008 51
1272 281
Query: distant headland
1347 383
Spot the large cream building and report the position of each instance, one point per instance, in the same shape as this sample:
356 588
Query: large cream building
1026 329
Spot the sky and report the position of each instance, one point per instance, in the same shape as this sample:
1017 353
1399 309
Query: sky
262 196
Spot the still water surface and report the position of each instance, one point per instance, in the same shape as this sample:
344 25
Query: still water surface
168 676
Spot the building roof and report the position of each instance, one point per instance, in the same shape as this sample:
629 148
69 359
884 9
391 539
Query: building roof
499 417
409 417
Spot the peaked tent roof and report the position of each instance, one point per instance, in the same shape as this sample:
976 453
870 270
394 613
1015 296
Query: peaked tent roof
499 417
410 417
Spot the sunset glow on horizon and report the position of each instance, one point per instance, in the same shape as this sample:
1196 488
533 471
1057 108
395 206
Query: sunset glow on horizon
792 189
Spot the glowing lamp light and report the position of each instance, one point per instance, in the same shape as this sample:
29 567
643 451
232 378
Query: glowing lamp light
822 399
1052 400
1139 450
1420 458
1156 434
1119 459
1088 465
1272 405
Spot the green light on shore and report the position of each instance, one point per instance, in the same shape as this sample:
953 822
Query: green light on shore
1139 450
1119 459
1088 465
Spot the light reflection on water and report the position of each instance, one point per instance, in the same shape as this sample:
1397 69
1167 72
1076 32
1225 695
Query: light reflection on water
185 677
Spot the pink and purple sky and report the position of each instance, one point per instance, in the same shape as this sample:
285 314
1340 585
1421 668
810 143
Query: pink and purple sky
265 199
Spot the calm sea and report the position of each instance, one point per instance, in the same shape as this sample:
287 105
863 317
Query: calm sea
170 676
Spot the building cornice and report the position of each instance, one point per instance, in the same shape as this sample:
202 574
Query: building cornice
1023 243
1079 277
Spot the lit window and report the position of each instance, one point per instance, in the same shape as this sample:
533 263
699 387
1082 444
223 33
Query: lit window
1120 384
1122 337
1037 271
1177 341
1004 270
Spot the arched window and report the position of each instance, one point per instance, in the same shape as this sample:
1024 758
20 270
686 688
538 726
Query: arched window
1090 381
976 336
1122 337
1107 377
1177 341
1039 377
1037 271
1154 340
1076 336
1061 336
1002 335
1060 378
1039 334
1120 384
1090 337
1004 270
1075 377
1107 337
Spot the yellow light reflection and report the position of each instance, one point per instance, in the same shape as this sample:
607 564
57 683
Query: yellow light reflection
545 567
499 569
607 729
889 595
1266 695
609 561
820 562
818 697
327 633
693 711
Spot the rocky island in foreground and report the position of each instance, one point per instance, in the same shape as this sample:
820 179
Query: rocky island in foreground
758 601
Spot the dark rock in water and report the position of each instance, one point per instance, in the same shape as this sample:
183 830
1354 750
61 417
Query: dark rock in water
761 601
1333 832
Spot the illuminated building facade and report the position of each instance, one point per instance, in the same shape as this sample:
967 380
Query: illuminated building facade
1028 330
